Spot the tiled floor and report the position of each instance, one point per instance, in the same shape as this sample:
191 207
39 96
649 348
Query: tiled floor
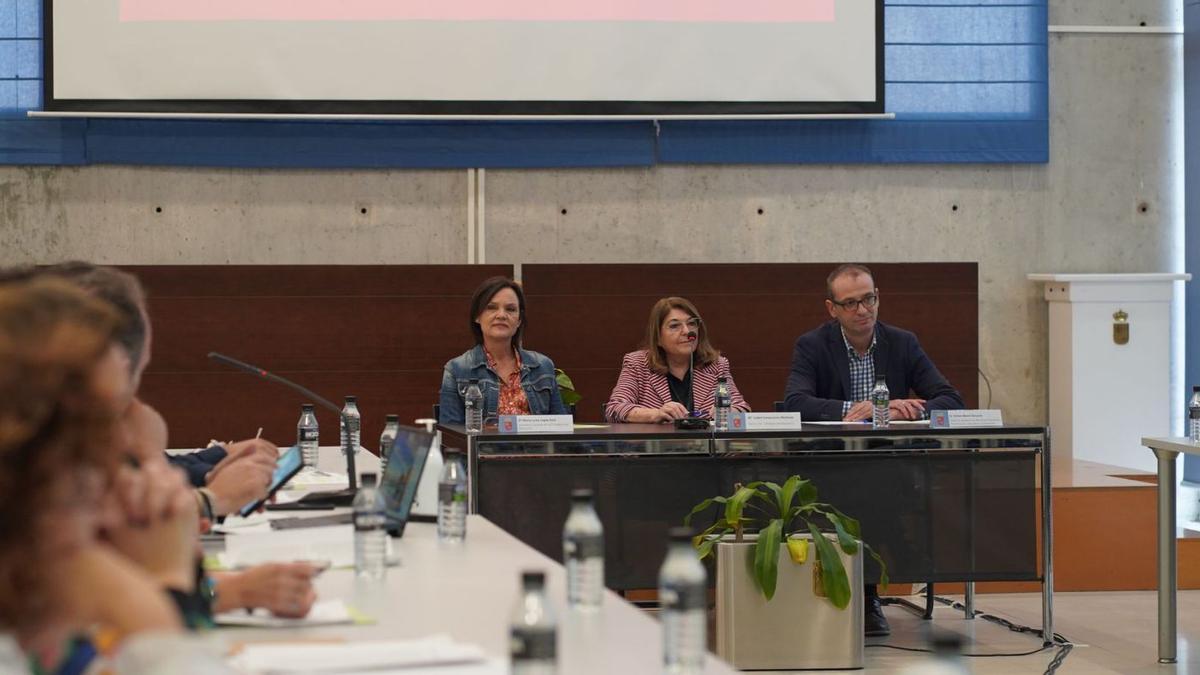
1114 633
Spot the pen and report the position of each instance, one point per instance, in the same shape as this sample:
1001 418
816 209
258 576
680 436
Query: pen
259 434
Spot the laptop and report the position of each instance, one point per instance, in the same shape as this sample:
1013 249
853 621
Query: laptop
402 475
398 486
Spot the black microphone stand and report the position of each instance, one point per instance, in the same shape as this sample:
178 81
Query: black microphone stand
335 498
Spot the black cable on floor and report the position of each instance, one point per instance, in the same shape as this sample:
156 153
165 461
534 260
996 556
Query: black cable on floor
1063 645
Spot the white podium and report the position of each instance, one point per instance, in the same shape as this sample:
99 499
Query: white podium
1105 395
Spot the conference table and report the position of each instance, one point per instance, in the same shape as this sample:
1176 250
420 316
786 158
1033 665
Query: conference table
468 592
939 505
1167 450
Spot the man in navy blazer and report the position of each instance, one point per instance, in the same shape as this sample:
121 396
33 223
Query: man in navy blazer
835 365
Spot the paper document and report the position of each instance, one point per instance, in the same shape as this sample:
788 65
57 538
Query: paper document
325 613
334 543
377 656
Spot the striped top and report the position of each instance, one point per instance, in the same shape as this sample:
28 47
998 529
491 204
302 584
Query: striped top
640 387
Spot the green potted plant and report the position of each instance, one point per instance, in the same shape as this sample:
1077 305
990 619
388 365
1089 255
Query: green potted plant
760 538
566 388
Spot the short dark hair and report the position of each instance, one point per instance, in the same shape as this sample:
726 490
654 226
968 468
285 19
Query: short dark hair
484 294
853 269
120 289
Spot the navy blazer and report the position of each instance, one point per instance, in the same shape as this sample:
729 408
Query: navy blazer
820 378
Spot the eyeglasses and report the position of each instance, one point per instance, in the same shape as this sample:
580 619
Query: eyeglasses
867 301
677 326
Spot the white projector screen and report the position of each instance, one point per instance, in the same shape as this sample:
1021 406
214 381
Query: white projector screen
465 57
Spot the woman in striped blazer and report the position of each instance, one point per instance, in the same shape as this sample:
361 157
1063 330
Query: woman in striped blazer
655 384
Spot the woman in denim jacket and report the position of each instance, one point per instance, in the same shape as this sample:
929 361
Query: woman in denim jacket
514 381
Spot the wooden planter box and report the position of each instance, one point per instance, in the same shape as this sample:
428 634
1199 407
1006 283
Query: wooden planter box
797 629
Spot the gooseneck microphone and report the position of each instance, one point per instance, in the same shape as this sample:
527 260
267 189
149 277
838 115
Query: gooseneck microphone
691 336
351 472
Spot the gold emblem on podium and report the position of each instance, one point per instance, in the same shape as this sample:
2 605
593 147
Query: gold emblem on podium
1120 327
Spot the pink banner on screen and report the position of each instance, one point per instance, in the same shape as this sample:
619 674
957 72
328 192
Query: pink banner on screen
745 11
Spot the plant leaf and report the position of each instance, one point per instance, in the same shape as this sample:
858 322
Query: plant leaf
736 504
766 557
833 572
851 524
807 492
883 575
566 388
790 486
701 507
847 541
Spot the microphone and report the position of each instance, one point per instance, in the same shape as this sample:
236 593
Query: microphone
324 497
691 337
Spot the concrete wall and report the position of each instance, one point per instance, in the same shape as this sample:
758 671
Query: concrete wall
1109 201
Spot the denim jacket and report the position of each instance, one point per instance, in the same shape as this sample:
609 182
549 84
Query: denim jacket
537 379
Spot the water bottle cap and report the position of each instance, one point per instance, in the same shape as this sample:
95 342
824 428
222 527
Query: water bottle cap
351 399
393 418
307 407
1196 389
681 534
533 579
722 378
582 495
451 452
369 479
473 380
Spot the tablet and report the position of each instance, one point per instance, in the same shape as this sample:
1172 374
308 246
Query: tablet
289 464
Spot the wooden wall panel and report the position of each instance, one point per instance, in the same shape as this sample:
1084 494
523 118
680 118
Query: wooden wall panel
586 317
379 332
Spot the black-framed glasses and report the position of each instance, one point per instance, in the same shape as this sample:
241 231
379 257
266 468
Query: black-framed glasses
868 301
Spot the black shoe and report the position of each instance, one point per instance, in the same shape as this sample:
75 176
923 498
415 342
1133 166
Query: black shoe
875 624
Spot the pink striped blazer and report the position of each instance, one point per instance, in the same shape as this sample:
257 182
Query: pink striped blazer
640 387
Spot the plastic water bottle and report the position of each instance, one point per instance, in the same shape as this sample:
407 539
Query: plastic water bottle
533 635
682 595
1194 415
722 402
473 400
879 401
351 424
583 552
370 538
391 428
452 498
308 435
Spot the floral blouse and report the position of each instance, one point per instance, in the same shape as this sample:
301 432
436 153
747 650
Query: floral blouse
512 394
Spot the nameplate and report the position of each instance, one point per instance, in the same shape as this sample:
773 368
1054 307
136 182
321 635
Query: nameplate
964 419
774 421
537 424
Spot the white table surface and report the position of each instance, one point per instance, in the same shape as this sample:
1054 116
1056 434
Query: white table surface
468 591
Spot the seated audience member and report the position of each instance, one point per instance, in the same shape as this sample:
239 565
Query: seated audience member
835 365
240 477
656 384
86 543
514 381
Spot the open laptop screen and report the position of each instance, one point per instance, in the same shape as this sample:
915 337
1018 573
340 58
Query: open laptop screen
399 483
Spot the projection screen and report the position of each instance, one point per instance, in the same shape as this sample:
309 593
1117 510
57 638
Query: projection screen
465 57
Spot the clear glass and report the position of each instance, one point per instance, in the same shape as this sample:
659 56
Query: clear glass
452 500
682 594
370 537
583 556
308 437
880 396
533 634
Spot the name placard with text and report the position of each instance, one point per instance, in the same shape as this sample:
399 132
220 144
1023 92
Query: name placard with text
537 424
964 419
764 421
